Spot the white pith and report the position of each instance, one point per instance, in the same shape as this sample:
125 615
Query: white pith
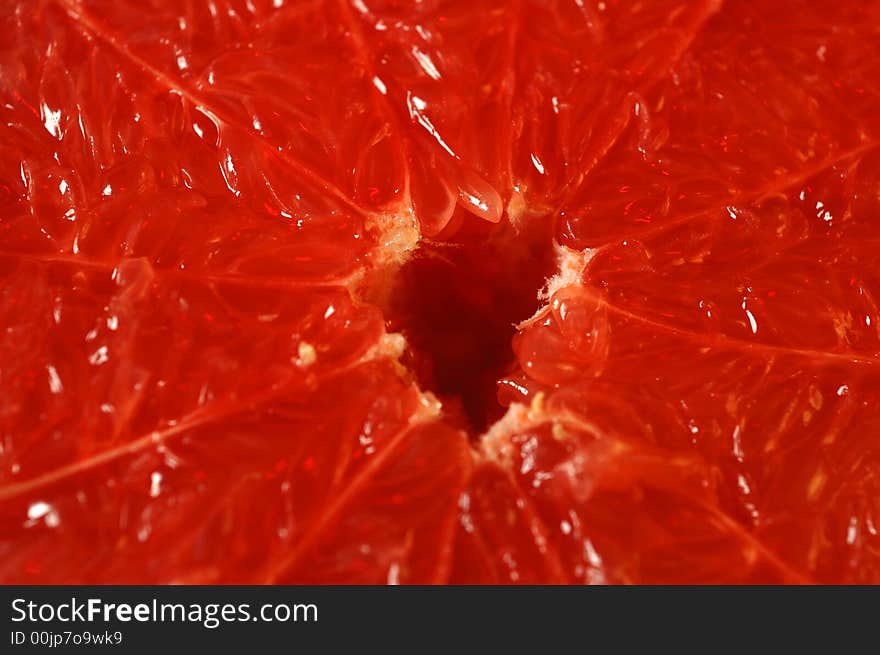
398 238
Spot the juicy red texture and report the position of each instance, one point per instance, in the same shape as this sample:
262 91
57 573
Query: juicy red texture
201 210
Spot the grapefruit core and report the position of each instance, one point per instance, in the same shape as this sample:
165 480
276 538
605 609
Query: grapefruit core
442 292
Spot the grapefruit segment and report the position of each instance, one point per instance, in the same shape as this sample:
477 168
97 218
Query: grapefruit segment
740 314
228 493
420 83
616 508
499 538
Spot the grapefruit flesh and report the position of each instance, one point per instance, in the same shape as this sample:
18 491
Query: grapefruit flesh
381 292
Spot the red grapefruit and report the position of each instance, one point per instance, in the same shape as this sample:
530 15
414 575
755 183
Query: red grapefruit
262 262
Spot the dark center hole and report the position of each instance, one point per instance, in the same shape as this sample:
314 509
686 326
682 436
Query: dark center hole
457 302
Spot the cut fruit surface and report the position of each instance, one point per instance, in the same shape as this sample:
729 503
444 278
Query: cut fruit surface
380 292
